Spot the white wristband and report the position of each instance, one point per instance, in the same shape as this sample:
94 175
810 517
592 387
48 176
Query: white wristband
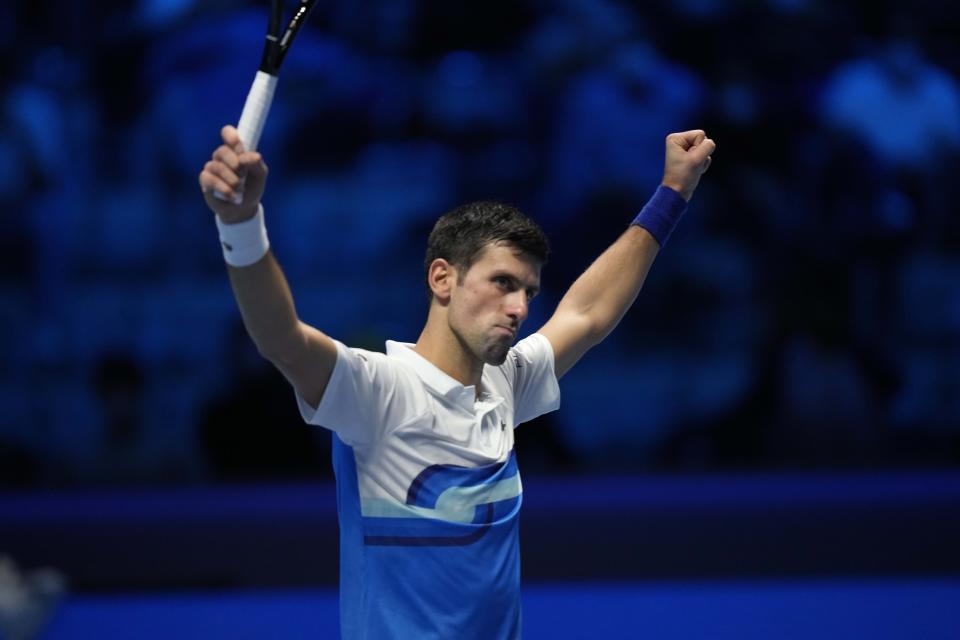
244 243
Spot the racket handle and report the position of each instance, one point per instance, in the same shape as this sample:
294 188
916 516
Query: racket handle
253 119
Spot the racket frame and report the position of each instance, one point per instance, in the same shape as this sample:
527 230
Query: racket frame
256 108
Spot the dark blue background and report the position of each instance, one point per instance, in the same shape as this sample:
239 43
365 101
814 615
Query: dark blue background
806 313
804 318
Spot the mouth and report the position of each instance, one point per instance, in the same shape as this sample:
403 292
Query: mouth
507 331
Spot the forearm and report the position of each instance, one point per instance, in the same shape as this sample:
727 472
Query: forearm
267 307
602 294
597 301
304 355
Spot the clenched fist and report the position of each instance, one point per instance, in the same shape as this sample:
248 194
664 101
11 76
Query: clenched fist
232 170
687 158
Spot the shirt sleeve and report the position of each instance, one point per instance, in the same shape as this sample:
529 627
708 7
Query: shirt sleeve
366 395
529 368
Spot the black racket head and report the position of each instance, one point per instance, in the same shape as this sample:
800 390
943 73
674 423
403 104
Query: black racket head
278 42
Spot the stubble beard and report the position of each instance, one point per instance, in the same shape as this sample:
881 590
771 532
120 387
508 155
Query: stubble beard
486 348
496 352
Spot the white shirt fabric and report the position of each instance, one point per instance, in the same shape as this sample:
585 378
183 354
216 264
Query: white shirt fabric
401 414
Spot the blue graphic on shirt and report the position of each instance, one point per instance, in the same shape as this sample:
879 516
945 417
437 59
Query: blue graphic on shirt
449 505
444 563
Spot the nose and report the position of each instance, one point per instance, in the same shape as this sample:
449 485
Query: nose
517 306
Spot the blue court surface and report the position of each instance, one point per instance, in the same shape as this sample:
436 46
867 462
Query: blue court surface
743 610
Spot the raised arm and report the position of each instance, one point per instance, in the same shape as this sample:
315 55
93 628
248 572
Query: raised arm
599 298
304 355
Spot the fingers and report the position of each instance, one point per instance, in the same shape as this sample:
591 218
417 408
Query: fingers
686 139
223 172
251 161
702 151
237 176
230 168
693 144
210 181
255 170
228 157
225 165
248 171
231 138
687 158
255 164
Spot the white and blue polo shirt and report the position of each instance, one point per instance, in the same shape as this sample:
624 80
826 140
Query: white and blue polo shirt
428 491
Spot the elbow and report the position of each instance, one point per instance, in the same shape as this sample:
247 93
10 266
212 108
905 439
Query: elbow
598 328
280 358
269 352
593 329
280 351
598 335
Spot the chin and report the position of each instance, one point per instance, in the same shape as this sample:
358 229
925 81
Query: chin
496 355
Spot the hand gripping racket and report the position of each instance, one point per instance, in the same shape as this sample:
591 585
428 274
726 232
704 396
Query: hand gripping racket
257 106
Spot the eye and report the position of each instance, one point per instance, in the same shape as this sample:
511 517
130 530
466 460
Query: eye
502 281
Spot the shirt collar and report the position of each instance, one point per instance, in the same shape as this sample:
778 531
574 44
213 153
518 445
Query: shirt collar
435 379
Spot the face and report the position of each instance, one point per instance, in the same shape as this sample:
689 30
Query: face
491 302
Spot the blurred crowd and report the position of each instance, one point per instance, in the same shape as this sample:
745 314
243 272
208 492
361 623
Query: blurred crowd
805 314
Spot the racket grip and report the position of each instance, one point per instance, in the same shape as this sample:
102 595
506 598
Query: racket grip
253 119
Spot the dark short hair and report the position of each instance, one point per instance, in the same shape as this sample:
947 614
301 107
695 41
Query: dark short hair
461 234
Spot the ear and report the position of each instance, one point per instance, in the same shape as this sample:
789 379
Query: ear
441 277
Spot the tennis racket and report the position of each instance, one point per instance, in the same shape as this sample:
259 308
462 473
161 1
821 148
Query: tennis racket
257 106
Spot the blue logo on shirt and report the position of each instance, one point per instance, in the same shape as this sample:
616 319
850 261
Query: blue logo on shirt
442 494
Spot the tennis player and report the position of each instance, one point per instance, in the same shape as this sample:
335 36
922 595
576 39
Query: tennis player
428 488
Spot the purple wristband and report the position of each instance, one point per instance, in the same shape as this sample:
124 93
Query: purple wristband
661 214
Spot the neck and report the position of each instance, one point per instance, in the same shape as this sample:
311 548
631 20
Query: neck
444 350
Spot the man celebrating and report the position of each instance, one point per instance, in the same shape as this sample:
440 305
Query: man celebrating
428 488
